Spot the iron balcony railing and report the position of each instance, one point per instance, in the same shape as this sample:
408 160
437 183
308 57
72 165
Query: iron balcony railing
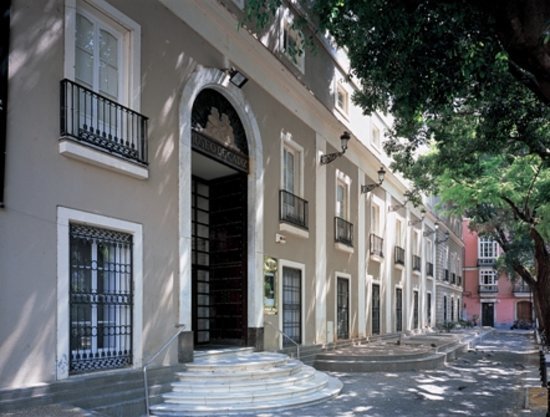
293 209
521 287
376 245
97 121
399 255
488 288
416 263
429 269
486 261
343 231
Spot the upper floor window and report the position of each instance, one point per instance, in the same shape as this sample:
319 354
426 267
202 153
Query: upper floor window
399 235
293 208
487 248
292 41
375 219
487 277
341 97
343 183
376 140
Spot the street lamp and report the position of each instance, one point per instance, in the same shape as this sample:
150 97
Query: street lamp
329 157
369 187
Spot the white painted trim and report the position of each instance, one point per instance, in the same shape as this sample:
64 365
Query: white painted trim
217 80
293 230
320 243
361 259
288 142
343 247
92 156
347 277
64 217
295 265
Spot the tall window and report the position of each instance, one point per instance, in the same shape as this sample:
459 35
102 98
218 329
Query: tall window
375 219
101 299
487 277
445 308
341 200
342 308
375 310
292 41
429 307
376 140
415 310
398 309
293 208
341 97
292 304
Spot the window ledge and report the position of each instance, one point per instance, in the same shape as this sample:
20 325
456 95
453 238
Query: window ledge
398 266
376 258
293 230
343 247
415 272
74 150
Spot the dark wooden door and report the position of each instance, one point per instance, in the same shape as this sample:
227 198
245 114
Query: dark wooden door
228 260
488 314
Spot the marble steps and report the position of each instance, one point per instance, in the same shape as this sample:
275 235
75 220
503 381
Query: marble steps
244 382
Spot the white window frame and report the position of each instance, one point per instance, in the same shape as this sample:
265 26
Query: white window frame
287 143
376 137
345 181
286 29
399 232
429 251
131 45
488 273
376 226
295 265
65 216
486 244
131 89
347 277
340 87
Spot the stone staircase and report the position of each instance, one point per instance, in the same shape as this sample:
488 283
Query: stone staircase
242 381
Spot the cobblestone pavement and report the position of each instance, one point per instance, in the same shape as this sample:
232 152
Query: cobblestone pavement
487 382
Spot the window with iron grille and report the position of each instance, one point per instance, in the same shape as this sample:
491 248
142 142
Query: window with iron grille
292 304
429 305
415 310
398 309
101 299
342 307
445 308
375 309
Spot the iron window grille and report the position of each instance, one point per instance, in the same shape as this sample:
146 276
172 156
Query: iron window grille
446 275
293 209
398 309
342 308
376 245
375 309
415 310
416 263
97 121
292 305
453 278
399 255
343 231
101 299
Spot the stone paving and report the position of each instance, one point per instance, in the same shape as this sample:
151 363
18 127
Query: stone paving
489 381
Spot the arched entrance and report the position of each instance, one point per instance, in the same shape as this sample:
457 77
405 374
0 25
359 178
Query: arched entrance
219 168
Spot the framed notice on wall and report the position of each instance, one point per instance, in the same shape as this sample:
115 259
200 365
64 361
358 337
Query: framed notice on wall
270 285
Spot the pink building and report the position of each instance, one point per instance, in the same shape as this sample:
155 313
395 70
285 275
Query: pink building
491 299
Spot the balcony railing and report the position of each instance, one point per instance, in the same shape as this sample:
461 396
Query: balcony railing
399 255
522 288
343 231
488 288
486 261
97 121
416 263
293 209
376 245
429 269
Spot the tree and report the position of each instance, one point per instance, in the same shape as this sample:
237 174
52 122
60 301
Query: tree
468 80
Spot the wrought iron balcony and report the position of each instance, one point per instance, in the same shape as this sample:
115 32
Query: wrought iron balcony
416 263
429 269
93 119
522 288
399 255
293 209
343 231
488 288
486 261
376 245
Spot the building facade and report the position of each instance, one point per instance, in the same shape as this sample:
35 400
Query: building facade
492 298
148 190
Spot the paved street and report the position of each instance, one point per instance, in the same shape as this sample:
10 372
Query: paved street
488 382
